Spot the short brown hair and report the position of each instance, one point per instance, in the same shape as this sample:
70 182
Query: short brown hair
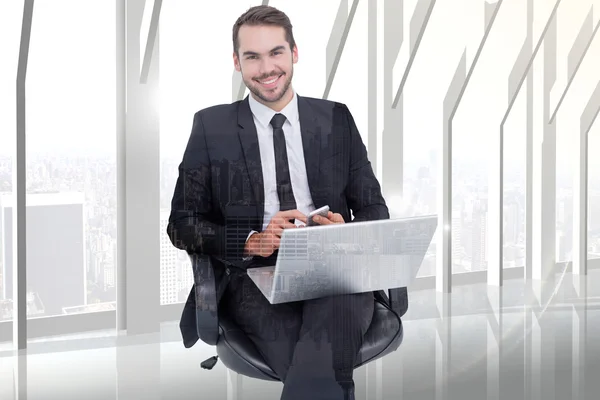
263 15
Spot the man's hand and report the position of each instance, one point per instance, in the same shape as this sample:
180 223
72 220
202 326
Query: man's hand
332 218
265 243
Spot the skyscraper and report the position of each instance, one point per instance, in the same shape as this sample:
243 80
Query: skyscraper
594 211
457 227
168 264
512 219
480 219
56 272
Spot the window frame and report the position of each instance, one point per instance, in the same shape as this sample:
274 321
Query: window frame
138 308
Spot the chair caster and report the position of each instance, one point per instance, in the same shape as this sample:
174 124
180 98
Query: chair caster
209 363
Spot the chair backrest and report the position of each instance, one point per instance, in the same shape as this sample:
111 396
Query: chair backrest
398 299
200 318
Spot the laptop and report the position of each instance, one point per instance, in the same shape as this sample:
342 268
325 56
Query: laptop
357 257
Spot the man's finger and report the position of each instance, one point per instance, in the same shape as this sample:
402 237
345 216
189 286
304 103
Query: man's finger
282 224
288 225
289 214
270 243
276 242
321 220
337 218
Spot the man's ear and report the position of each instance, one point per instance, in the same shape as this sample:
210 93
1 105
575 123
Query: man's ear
295 54
236 62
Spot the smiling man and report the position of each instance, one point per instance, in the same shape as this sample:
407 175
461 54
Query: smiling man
256 167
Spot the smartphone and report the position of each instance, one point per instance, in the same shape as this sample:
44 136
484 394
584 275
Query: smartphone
323 211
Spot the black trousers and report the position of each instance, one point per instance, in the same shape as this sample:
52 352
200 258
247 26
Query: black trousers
312 345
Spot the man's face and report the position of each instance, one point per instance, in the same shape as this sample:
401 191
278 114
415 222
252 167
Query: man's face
266 63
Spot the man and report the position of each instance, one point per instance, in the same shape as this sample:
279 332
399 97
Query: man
258 166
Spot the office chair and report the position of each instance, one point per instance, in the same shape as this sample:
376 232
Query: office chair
239 354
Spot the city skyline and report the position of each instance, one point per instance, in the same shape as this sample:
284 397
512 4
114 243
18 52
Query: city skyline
83 173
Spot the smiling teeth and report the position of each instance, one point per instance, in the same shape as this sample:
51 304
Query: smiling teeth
271 81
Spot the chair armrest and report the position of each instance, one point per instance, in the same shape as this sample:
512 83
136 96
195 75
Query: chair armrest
399 300
207 319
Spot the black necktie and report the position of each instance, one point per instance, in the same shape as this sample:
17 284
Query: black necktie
282 168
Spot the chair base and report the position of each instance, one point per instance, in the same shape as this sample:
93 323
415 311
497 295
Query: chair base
209 363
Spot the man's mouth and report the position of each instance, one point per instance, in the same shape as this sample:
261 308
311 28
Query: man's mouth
270 82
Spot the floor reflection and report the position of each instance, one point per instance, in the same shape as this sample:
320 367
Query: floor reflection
525 340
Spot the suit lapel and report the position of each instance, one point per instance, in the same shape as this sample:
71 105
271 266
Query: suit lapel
249 141
311 143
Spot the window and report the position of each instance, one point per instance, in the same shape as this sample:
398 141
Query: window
594 193
71 166
10 24
476 130
515 197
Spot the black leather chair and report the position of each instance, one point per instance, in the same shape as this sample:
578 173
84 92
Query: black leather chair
239 354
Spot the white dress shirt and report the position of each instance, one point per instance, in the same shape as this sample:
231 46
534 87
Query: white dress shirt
262 116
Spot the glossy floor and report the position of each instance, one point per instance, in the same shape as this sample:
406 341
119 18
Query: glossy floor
527 340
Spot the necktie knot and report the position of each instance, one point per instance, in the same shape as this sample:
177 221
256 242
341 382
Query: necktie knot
277 121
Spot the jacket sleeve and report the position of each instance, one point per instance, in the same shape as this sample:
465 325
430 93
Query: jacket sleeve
363 191
193 224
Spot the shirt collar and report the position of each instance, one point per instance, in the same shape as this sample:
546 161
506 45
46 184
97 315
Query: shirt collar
264 114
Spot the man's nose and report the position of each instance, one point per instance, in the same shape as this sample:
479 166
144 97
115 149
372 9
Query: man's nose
266 66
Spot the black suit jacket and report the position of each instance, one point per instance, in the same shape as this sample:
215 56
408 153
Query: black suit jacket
219 194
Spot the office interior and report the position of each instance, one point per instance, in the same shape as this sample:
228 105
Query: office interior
481 112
